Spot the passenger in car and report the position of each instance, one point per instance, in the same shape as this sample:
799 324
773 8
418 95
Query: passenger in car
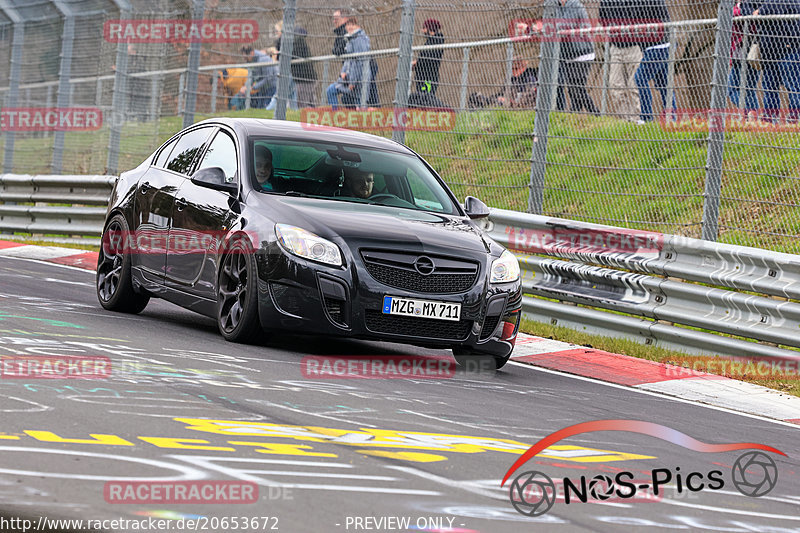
263 165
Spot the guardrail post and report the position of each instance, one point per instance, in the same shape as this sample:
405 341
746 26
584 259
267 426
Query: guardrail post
669 109
155 96
98 93
403 84
548 81
119 104
17 44
464 79
716 123
214 91
509 62
606 78
192 70
285 60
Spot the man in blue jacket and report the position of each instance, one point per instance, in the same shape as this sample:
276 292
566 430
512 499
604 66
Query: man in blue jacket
654 65
354 69
780 54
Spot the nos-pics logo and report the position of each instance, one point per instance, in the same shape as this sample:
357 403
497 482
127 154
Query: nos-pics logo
533 493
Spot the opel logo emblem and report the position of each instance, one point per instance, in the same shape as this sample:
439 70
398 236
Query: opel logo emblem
424 265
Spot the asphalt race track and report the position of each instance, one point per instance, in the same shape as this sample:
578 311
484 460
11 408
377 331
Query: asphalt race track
336 454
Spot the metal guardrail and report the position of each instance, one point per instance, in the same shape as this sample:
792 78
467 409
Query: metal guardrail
25 197
666 290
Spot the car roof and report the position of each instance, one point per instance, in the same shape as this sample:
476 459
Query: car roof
290 130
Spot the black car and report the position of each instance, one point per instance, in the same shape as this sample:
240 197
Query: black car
274 226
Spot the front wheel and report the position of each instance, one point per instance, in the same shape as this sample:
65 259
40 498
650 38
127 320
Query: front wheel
114 286
476 361
237 295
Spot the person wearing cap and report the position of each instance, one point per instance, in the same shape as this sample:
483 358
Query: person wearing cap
426 66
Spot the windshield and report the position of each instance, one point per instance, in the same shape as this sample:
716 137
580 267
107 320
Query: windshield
346 173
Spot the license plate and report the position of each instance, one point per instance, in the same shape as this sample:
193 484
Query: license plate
421 308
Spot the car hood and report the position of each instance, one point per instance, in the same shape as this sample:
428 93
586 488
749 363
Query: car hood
382 226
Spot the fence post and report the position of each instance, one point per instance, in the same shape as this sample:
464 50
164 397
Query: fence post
403 84
716 123
669 109
64 75
326 66
285 63
366 79
155 95
214 91
248 83
119 104
464 79
17 44
743 66
606 78
193 69
181 88
548 80
509 63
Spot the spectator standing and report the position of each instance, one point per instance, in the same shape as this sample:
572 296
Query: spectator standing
304 75
340 30
265 78
426 66
353 69
780 54
654 65
624 57
577 54
738 59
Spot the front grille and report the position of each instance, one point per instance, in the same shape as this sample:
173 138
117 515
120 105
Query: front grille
410 326
397 270
488 326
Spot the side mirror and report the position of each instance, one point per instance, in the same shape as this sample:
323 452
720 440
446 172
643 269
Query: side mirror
214 178
475 208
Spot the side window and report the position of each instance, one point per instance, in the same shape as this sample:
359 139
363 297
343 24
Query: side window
163 156
423 196
188 148
222 153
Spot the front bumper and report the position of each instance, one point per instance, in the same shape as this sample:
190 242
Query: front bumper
301 296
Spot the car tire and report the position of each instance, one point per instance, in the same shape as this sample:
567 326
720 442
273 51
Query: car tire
476 361
113 280
237 295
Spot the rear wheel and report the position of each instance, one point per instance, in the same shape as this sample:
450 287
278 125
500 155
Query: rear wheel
237 295
476 361
114 286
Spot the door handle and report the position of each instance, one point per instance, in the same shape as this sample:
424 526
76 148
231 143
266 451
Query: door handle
144 187
180 204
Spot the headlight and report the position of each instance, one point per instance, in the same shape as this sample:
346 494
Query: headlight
505 269
305 244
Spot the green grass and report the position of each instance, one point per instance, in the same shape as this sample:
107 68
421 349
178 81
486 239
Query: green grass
782 381
648 178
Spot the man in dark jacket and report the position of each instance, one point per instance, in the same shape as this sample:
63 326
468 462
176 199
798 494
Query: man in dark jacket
577 54
426 66
304 75
340 30
654 65
780 53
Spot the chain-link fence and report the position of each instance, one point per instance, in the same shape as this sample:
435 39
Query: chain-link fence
670 116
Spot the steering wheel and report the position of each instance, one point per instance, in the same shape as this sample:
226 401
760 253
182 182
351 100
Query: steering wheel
383 196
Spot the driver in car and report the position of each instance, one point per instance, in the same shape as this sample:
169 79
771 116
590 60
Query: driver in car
358 184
